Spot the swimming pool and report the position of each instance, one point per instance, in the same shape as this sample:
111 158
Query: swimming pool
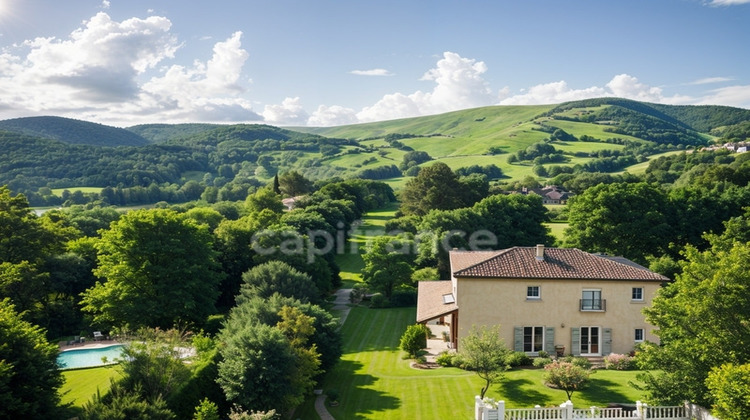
90 357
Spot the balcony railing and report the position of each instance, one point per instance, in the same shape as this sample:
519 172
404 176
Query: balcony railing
598 305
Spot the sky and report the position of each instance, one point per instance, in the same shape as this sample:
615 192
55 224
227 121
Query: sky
336 62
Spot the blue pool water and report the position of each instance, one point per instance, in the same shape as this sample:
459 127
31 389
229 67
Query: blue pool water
79 358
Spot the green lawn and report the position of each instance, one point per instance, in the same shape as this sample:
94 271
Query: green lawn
81 384
373 224
374 382
59 191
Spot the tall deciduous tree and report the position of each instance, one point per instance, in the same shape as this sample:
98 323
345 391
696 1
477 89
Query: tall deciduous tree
703 320
435 187
29 375
631 220
22 236
277 277
484 352
293 184
388 263
159 269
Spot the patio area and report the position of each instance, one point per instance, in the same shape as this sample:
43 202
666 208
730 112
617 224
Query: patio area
436 344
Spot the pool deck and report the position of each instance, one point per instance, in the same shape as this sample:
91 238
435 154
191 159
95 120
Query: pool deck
87 344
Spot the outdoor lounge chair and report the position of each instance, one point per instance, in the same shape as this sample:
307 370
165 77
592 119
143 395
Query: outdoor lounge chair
98 336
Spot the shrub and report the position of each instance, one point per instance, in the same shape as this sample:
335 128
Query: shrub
518 358
414 339
379 301
616 361
543 353
333 395
446 359
541 362
578 361
566 376
358 293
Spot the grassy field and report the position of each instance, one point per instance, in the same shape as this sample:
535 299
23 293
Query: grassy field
373 224
59 191
375 382
81 384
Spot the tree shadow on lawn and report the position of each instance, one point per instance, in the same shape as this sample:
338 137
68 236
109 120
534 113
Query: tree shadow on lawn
521 392
355 400
604 391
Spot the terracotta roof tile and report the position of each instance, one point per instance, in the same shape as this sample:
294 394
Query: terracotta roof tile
463 259
430 303
558 263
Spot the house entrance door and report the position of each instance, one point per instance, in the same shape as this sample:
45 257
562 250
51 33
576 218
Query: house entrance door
590 338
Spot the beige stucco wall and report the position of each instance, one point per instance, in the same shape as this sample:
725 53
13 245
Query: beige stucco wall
503 301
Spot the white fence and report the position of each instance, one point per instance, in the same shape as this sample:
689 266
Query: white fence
490 410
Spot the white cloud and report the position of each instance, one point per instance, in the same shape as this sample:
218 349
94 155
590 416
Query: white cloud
459 85
621 86
727 2
290 112
372 72
550 93
327 116
105 4
102 72
738 96
710 80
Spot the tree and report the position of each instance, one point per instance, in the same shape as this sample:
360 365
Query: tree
152 365
435 187
160 269
277 277
414 339
298 329
257 365
121 404
484 352
293 184
29 375
327 337
706 308
566 376
388 263
630 220
22 236
729 386
206 410
264 198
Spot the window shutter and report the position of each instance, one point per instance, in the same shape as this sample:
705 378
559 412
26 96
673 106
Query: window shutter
575 337
518 338
606 341
549 340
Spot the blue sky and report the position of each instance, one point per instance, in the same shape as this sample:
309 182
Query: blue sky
307 62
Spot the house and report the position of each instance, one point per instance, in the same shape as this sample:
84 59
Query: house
551 194
545 299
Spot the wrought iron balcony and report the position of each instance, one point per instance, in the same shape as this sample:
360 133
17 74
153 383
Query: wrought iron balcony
596 305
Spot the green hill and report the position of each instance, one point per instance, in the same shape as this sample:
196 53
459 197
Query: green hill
72 131
607 135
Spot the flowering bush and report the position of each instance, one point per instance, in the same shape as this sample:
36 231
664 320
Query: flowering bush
618 362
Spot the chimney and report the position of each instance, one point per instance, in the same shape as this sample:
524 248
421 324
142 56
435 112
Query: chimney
540 252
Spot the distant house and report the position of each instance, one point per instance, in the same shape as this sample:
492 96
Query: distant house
550 299
291 202
551 194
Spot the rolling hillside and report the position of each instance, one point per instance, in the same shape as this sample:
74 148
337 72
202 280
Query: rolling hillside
598 135
72 131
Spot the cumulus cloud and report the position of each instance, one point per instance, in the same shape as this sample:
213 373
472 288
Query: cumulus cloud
621 86
458 85
372 72
290 112
327 116
96 73
550 93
